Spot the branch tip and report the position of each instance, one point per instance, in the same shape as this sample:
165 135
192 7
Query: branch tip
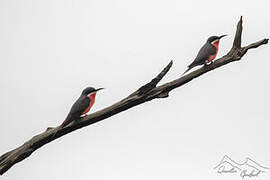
238 35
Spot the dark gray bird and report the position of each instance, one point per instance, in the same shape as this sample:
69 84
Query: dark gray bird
82 105
207 53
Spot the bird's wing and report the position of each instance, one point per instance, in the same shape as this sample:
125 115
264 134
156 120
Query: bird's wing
204 53
76 110
79 106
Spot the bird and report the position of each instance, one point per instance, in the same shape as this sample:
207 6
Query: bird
207 53
80 107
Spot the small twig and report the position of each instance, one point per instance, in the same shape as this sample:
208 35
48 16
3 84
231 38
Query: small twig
254 45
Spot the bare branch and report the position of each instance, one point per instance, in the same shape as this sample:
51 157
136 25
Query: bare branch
238 34
143 94
254 45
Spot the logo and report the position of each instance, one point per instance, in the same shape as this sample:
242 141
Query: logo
249 168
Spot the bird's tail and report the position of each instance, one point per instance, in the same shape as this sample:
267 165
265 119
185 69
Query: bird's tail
189 68
66 122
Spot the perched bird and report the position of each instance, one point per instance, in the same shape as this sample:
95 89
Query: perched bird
82 105
207 53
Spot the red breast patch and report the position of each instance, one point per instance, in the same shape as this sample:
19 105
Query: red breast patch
92 98
211 58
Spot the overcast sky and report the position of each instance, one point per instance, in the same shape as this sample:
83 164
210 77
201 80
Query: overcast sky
51 50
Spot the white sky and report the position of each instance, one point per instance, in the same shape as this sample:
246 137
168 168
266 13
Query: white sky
51 50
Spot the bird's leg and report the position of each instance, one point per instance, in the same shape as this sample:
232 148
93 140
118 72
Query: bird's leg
83 115
208 62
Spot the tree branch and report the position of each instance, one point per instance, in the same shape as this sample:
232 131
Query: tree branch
238 35
145 93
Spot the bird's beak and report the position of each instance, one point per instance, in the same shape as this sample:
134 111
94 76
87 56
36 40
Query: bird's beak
222 36
99 89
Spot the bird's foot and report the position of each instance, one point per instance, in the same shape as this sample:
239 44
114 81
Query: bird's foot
78 120
207 63
82 116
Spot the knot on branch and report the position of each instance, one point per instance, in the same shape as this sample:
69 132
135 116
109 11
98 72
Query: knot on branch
163 95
